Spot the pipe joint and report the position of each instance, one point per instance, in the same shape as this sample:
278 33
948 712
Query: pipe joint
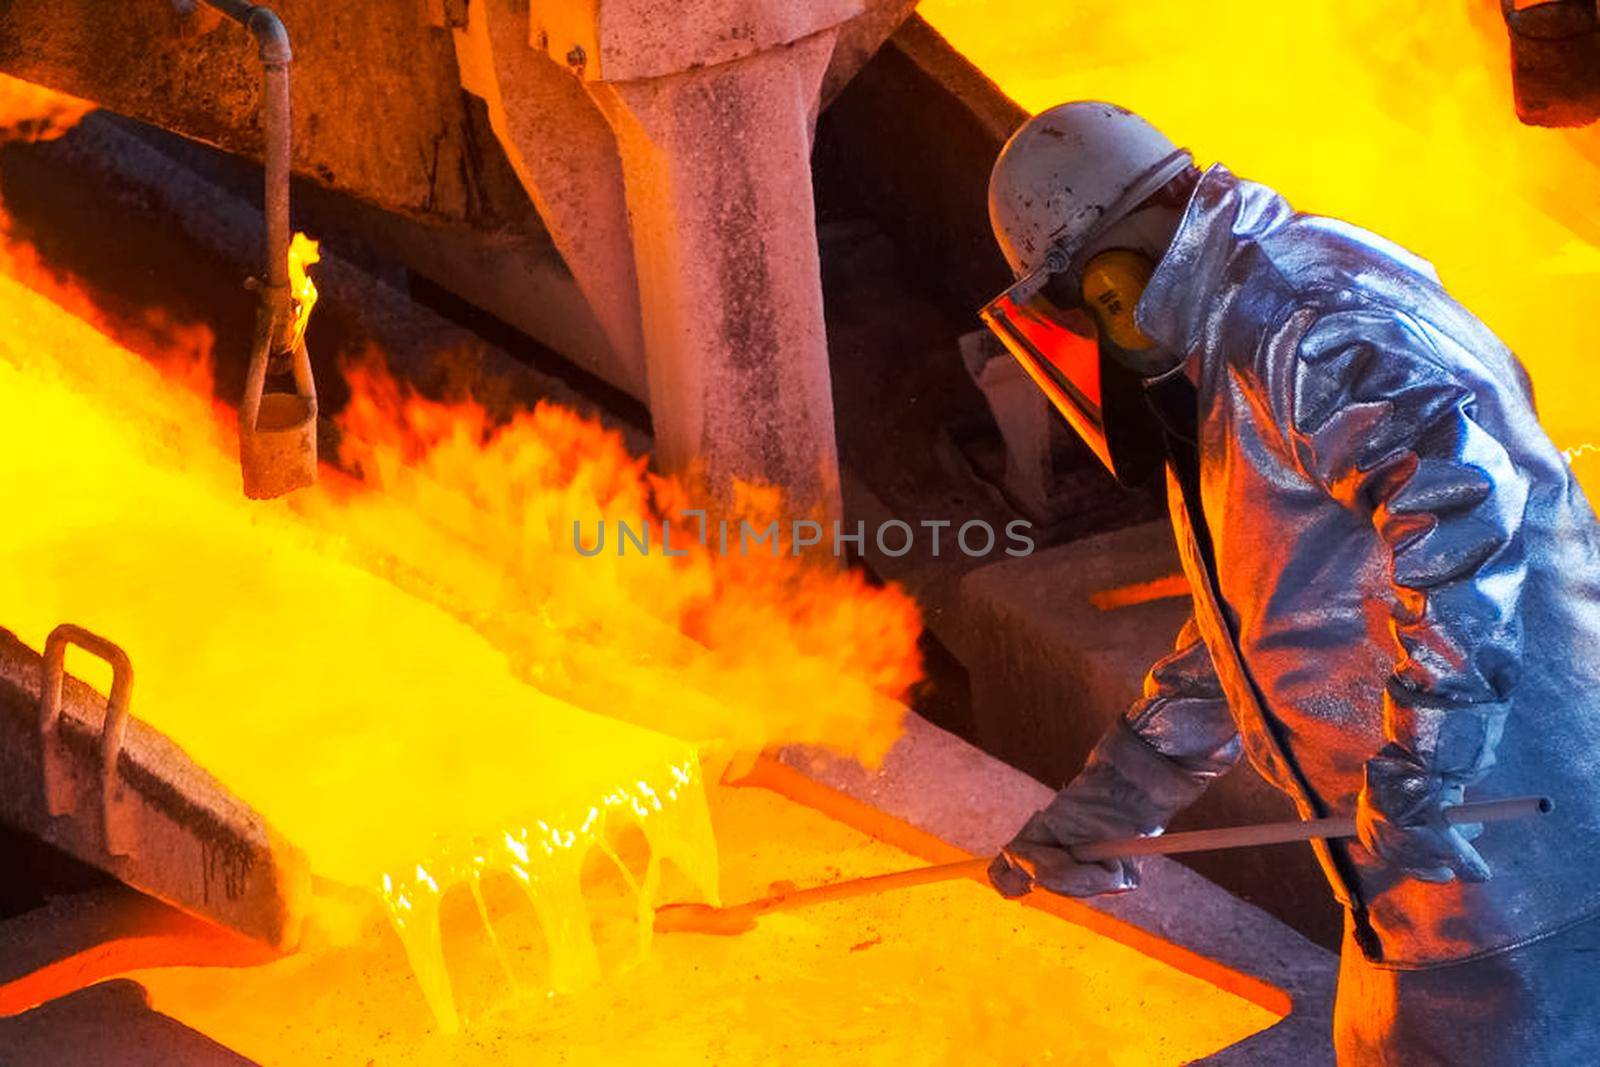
272 39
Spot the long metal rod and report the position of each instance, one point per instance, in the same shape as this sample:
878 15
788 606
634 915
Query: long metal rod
876 883
735 919
1275 833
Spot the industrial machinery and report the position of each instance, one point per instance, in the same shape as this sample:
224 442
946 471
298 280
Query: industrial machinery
403 778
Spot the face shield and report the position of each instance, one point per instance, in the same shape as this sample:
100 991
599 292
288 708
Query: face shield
1059 347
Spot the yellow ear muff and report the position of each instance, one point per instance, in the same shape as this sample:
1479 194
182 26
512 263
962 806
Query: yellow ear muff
1113 281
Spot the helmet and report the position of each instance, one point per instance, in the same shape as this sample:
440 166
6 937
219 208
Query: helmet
1071 172
1062 181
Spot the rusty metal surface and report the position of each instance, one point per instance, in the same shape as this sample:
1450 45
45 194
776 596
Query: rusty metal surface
379 113
190 842
377 101
277 430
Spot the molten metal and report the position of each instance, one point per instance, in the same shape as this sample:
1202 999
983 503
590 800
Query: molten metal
941 974
393 669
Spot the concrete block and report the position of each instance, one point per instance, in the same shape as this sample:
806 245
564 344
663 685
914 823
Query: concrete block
1048 670
561 148
717 167
688 223
1027 424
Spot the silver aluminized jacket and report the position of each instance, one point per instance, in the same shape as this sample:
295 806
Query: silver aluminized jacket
1400 552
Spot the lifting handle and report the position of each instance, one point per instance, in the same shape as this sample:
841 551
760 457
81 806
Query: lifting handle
58 789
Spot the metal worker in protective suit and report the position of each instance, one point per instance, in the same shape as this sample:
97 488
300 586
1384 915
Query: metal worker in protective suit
1396 579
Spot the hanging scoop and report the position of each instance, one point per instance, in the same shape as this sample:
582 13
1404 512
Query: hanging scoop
277 430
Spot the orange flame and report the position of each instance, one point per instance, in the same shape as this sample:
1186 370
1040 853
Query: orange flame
303 253
403 746
755 649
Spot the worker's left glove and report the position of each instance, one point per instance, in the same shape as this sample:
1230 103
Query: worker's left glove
1400 818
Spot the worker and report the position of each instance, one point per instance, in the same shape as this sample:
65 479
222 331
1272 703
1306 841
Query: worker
1395 578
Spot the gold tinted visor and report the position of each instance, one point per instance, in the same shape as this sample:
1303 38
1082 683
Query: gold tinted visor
1057 348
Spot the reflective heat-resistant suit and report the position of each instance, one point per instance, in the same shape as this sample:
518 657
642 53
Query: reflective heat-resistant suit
1391 551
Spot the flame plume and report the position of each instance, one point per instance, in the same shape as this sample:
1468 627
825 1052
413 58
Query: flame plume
408 669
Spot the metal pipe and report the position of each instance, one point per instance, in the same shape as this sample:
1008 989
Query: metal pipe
272 41
277 431
737 919
263 23
740 918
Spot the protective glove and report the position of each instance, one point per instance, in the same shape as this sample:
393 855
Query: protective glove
1126 789
1043 847
1400 819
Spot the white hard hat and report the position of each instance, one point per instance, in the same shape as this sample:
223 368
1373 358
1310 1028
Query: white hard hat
1071 172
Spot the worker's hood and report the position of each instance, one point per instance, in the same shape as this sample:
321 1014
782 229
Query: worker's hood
1229 219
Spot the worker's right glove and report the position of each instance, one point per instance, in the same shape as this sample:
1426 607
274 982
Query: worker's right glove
1126 789
1400 818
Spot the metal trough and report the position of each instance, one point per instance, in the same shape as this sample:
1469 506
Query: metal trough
125 798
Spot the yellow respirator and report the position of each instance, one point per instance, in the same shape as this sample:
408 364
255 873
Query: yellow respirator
1113 281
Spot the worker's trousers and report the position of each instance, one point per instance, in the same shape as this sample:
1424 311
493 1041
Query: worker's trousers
1533 1006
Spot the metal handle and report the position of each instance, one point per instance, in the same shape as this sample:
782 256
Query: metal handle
255 380
58 791
706 919
1273 833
